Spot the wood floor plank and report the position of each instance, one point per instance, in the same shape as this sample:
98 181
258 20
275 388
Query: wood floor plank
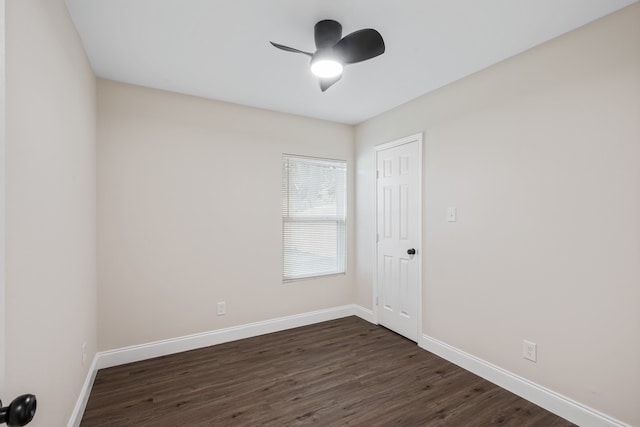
345 372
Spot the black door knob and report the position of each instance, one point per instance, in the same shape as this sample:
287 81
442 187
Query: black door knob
411 251
20 412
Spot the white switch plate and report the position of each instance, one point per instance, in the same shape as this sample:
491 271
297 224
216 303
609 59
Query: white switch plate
222 308
529 350
451 214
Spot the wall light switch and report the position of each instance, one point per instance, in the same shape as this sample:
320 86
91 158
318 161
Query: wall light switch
451 214
222 308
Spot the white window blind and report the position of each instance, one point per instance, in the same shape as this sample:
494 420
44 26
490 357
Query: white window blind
313 217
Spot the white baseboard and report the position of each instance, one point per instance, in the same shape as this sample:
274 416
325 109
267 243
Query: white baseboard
550 400
558 404
137 353
81 404
364 313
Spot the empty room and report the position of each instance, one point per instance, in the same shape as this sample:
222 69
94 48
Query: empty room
285 213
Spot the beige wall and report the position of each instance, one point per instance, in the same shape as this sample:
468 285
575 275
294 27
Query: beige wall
2 196
541 156
50 208
189 214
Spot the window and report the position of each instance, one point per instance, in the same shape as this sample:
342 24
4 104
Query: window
313 217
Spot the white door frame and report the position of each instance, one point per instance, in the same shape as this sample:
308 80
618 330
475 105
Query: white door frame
406 140
2 198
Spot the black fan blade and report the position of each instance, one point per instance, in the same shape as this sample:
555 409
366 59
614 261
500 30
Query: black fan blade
359 46
327 33
290 49
328 82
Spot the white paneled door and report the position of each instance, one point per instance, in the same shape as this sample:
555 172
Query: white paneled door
398 235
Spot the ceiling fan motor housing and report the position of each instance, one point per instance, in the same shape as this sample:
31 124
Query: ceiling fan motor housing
334 51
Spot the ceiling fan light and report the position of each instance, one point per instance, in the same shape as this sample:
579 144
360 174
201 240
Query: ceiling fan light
326 68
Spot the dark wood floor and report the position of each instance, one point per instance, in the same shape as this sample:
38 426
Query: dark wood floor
342 372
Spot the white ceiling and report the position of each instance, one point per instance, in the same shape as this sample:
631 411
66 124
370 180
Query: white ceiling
220 49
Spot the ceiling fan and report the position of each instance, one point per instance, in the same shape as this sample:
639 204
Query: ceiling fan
333 51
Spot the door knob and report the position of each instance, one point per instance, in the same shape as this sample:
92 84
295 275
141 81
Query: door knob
411 251
20 412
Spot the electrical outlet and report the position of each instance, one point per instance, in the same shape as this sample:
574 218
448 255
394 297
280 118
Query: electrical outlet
529 350
451 214
222 308
84 353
